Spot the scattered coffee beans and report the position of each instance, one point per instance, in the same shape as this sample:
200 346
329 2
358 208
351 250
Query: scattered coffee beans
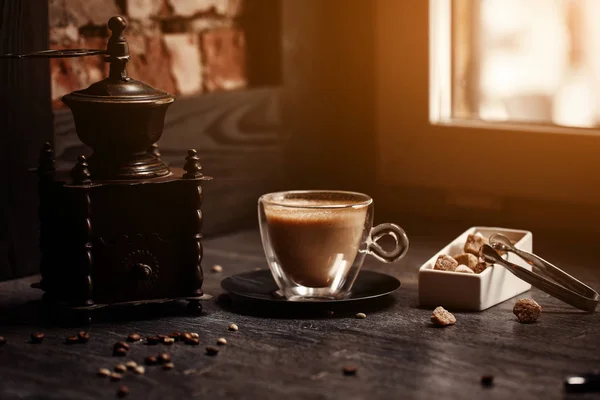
140 370
121 345
83 337
115 376
212 350
442 317
189 339
152 340
119 352
217 268
361 315
134 337
527 311
131 365
175 335
163 358
121 368
72 340
151 360
221 341
2 340
120 349
37 337
233 327
487 380
104 372
169 366
349 370
123 391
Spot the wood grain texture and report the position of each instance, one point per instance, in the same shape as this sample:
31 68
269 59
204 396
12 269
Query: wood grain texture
25 123
239 139
398 353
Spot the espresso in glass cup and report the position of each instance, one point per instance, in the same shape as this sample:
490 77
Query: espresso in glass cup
316 241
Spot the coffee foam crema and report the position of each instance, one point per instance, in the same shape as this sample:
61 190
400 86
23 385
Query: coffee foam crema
314 245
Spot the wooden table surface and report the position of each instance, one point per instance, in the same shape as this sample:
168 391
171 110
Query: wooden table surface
397 351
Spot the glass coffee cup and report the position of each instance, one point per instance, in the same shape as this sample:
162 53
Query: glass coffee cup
315 241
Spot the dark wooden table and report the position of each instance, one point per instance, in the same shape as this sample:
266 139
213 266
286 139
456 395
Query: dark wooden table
397 351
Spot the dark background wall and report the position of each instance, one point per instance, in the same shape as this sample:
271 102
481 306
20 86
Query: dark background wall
25 123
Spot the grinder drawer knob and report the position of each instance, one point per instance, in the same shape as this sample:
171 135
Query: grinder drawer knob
143 270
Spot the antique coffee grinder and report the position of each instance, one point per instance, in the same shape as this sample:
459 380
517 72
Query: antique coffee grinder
121 226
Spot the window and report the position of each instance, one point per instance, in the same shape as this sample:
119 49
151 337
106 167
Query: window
448 138
532 62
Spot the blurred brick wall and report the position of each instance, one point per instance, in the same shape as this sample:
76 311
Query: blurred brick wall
184 47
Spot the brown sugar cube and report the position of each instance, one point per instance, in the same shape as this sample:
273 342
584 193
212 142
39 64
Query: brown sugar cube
527 311
445 263
479 268
467 259
473 244
442 317
464 269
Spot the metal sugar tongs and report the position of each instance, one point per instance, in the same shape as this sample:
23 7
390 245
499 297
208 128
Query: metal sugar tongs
550 278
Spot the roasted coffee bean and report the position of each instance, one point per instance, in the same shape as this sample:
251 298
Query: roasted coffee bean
72 340
123 391
37 337
186 336
361 315
212 350
121 368
349 370
115 376
2 340
194 335
163 358
169 366
140 370
221 341
152 340
83 337
131 365
119 352
217 268
151 360
233 327
487 380
175 335
162 337
134 337
104 372
168 341
193 341
121 345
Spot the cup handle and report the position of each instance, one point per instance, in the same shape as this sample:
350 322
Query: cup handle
399 250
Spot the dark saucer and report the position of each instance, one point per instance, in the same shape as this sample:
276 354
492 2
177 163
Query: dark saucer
260 286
